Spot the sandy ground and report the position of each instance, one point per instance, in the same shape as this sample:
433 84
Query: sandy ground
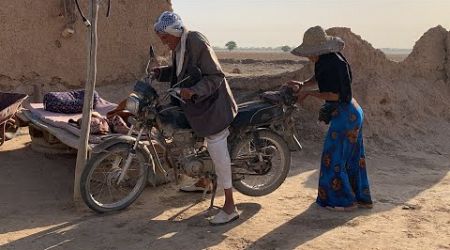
257 63
406 108
268 63
411 191
410 187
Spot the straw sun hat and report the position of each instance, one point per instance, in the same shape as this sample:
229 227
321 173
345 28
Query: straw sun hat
316 42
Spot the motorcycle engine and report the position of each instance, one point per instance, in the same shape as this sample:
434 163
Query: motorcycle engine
184 145
187 159
197 166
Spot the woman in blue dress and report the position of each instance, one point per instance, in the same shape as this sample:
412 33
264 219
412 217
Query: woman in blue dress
343 181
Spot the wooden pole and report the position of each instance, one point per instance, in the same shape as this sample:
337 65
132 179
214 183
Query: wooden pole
88 97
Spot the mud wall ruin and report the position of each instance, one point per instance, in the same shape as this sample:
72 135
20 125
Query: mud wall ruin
402 100
35 58
405 103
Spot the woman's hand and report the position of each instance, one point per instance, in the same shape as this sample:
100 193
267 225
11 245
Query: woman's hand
296 86
155 72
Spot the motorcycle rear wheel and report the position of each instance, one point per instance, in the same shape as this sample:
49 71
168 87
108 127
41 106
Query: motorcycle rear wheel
100 174
275 173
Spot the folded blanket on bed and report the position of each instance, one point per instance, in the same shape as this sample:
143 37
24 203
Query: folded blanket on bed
70 102
61 120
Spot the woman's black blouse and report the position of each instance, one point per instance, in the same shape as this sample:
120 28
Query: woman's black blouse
333 74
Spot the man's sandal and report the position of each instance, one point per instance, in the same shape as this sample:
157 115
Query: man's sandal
223 218
194 189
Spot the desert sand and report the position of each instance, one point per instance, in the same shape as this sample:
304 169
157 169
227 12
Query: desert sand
407 126
410 190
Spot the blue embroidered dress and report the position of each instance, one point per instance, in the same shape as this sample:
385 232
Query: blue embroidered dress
343 180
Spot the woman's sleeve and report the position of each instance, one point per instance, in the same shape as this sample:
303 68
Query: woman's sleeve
327 76
334 76
212 74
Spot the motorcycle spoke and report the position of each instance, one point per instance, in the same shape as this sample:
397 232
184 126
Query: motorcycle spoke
99 193
252 173
122 190
104 179
110 193
97 184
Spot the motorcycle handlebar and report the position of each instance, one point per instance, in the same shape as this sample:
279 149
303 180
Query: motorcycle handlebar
175 93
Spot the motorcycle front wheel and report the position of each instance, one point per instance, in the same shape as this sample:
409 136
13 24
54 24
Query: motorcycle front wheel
102 188
263 163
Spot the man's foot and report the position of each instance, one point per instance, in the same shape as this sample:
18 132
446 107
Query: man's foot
223 218
195 188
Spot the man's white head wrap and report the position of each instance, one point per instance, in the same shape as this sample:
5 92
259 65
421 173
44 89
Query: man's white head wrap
170 23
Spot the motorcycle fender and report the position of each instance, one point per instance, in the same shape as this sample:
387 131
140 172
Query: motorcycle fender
251 132
103 146
291 139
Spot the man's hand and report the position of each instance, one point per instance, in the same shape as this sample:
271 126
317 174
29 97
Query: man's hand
296 86
155 72
186 94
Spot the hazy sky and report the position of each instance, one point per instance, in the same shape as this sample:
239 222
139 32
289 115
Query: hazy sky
383 23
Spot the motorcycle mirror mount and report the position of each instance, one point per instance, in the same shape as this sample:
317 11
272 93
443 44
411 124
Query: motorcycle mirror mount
151 52
151 58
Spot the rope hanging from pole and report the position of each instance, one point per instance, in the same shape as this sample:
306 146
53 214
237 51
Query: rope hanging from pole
85 20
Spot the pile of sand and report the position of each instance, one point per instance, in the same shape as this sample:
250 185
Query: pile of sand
406 103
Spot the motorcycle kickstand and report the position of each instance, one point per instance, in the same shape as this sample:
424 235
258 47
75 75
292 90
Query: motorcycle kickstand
213 192
213 195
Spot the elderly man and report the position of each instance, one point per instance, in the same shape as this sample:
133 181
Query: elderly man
213 108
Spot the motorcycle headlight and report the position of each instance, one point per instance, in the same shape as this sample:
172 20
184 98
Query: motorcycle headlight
133 102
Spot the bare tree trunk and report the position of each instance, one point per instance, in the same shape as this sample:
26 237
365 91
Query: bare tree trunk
88 97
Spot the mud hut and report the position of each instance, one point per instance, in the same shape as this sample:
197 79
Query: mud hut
38 56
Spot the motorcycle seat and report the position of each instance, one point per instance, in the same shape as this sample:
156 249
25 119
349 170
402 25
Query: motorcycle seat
175 116
256 112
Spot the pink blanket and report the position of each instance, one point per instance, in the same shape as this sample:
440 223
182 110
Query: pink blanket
62 120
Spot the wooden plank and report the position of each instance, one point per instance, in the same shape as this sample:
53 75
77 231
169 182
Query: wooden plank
88 98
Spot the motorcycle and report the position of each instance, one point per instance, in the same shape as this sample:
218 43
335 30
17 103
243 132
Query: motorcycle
160 142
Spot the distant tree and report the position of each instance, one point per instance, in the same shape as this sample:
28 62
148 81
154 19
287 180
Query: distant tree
231 45
286 48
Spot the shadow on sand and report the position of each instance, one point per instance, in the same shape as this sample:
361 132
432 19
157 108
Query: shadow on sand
38 197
